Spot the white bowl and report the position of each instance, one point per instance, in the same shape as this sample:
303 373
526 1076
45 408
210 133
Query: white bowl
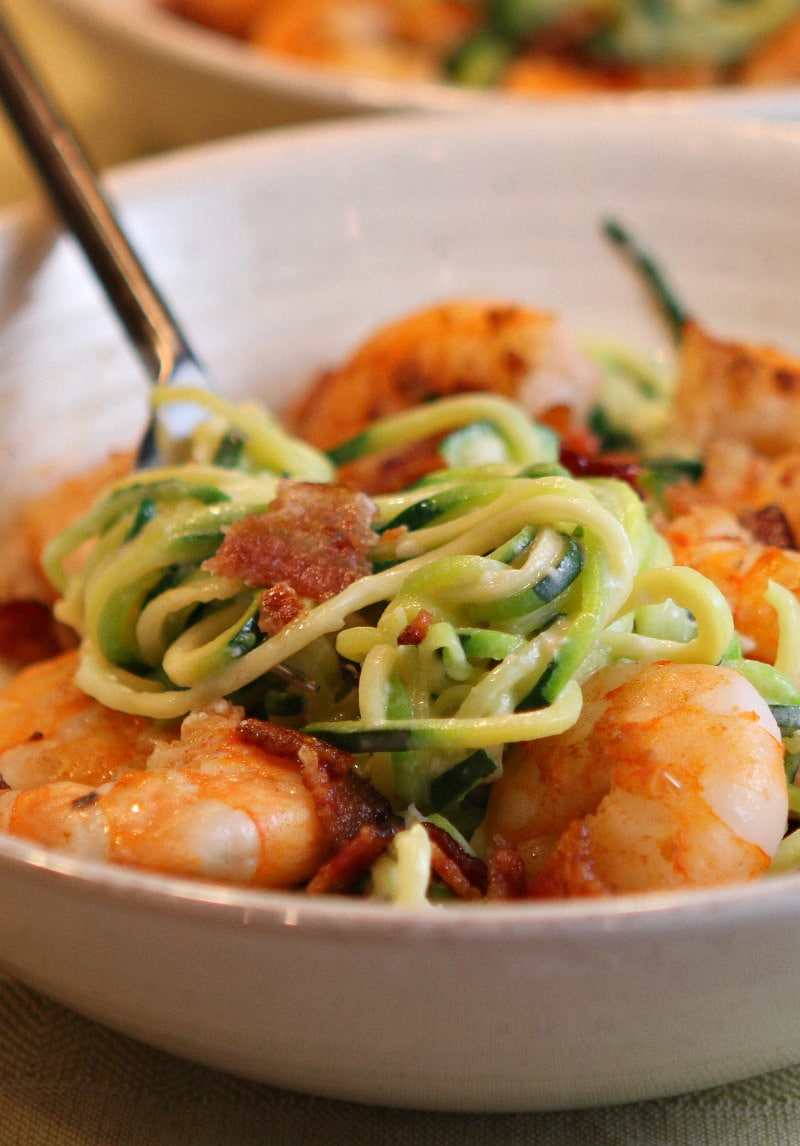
187 83
280 253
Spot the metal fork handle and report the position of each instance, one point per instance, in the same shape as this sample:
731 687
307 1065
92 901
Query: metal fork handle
75 190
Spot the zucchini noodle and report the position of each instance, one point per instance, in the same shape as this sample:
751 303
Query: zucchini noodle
529 579
265 444
787 607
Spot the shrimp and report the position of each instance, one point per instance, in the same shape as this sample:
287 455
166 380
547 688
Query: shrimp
450 348
45 516
736 390
28 631
51 730
776 60
744 482
231 17
712 541
392 39
106 786
351 35
671 778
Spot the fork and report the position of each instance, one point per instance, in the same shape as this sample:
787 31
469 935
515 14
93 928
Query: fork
75 190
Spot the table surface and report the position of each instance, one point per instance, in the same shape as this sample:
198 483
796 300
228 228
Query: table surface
65 1081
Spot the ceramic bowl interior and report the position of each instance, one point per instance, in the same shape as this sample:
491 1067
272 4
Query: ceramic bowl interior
280 252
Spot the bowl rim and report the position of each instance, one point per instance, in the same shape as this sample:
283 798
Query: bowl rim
288 142
145 24
262 909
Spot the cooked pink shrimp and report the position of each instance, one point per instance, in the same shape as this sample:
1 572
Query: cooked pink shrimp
393 39
737 390
672 777
774 61
50 730
745 483
454 347
205 804
27 629
712 541
231 17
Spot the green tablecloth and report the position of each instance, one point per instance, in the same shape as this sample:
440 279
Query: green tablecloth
65 1081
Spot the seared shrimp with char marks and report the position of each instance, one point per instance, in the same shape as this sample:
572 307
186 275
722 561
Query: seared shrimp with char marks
712 541
452 348
393 39
738 390
743 482
671 778
51 730
201 802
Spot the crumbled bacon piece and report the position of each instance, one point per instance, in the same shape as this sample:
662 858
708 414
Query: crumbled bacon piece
770 526
29 632
279 741
506 873
345 801
313 538
415 632
620 466
353 860
464 874
280 605
575 436
357 819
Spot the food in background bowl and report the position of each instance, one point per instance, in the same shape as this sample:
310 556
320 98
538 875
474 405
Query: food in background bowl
556 48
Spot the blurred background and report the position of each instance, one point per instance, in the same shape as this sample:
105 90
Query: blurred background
136 80
127 100
85 84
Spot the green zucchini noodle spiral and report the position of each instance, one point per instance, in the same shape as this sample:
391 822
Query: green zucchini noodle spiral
528 578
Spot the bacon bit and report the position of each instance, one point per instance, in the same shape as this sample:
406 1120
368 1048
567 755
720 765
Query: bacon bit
29 632
357 819
280 605
506 873
787 380
621 466
465 875
314 538
345 802
770 526
4 787
574 436
287 742
416 632
451 875
347 868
